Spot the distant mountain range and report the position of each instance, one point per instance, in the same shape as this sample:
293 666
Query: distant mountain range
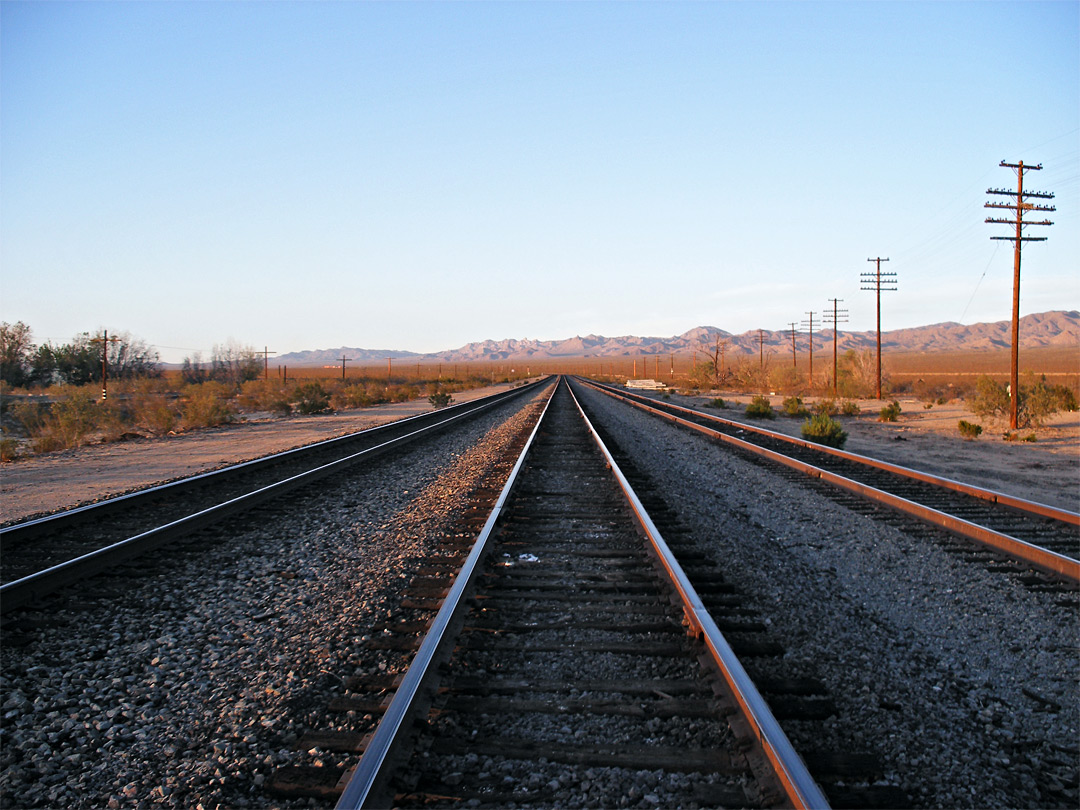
1060 328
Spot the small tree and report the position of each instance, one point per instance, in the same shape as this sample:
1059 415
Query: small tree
968 430
890 412
16 350
233 364
311 398
823 429
793 406
760 408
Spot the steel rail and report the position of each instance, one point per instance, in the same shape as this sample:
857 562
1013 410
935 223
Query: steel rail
799 786
47 523
993 496
1044 559
371 776
22 591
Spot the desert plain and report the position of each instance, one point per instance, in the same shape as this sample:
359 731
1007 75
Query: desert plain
1046 470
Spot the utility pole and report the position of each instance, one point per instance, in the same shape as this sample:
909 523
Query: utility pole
810 323
343 359
838 316
105 340
761 348
794 357
389 362
876 279
1019 207
266 362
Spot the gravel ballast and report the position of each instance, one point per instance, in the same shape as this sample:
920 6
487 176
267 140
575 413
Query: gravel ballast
963 681
187 688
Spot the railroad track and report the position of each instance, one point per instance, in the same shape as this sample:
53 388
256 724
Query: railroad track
44 555
1035 534
577 655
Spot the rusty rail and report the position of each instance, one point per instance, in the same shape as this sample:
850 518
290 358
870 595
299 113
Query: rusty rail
1036 556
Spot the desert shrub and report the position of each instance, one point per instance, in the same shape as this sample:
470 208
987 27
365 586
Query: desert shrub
207 404
352 396
942 400
968 430
890 412
760 408
67 422
717 402
1029 438
850 407
401 393
74 417
927 406
440 399
311 398
827 407
785 378
1035 403
793 406
823 429
9 449
1066 398
991 398
152 407
265 395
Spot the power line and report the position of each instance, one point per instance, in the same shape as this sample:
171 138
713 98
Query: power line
877 278
839 316
1018 240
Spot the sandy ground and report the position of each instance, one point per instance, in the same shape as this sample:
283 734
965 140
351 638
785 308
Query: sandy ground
1047 470
34 486
928 439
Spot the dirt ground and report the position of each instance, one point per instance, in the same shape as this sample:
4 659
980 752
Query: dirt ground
1047 470
928 439
38 485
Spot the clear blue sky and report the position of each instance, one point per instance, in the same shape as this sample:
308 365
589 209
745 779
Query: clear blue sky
422 175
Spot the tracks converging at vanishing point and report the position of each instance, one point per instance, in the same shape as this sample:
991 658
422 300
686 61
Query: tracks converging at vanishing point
569 675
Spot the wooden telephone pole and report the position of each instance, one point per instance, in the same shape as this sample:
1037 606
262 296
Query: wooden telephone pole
876 279
838 316
810 323
105 340
794 356
266 362
1018 208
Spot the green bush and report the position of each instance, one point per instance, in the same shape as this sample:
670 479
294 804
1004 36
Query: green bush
991 398
968 430
1034 405
823 429
718 402
440 399
1066 398
850 407
207 404
827 407
760 408
9 449
793 406
890 412
311 398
